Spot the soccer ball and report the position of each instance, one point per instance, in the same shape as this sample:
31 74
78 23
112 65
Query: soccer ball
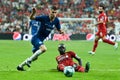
69 71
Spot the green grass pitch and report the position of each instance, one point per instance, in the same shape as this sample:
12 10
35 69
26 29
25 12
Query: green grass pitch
104 65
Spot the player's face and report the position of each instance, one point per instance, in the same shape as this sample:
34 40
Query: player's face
100 10
53 13
61 50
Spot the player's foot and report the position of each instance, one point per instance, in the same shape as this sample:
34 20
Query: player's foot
91 52
87 67
28 63
116 45
20 68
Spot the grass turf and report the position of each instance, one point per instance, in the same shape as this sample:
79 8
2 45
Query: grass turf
104 65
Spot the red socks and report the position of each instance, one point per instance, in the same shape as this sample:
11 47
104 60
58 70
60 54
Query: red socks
95 45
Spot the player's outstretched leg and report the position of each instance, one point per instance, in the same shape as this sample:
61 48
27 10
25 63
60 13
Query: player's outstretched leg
29 60
110 42
87 67
33 57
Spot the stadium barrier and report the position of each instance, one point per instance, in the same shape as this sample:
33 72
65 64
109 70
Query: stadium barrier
78 36
61 37
11 36
66 37
6 36
26 37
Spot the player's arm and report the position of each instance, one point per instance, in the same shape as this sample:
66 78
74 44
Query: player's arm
57 60
29 25
78 59
108 21
99 22
32 16
58 26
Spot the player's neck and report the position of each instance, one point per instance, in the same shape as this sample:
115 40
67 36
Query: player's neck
51 18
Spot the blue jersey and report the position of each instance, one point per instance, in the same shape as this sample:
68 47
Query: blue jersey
46 26
34 26
44 30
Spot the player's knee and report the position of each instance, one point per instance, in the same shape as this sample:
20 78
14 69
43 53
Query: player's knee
60 67
104 40
43 48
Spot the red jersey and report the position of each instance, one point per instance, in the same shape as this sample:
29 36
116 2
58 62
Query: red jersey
66 59
104 18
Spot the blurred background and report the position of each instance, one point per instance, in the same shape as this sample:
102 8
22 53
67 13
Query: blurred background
14 15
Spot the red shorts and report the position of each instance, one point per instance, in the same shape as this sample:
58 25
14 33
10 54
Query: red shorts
101 33
61 66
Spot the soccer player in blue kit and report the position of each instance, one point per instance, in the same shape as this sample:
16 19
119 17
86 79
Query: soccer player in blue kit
47 25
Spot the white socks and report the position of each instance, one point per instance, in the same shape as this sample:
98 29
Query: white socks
23 63
35 55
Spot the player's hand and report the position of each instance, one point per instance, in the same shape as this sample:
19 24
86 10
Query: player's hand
34 10
62 32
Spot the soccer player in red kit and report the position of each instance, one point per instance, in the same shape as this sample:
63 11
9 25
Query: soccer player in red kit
66 59
102 31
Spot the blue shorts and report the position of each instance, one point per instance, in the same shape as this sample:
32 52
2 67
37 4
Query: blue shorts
36 42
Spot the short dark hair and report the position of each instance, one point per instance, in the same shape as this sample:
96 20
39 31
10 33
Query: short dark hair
102 5
61 45
54 8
